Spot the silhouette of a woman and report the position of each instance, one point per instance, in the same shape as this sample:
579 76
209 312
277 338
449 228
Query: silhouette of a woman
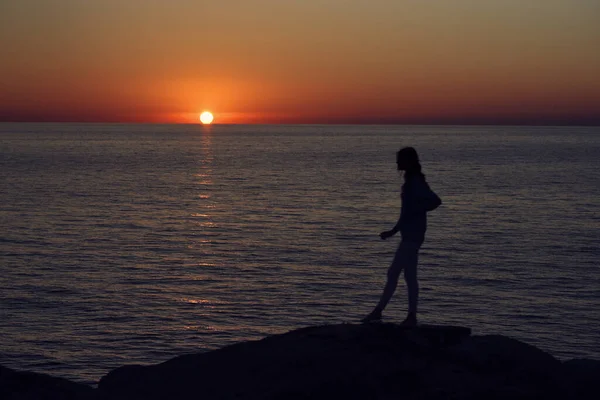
417 200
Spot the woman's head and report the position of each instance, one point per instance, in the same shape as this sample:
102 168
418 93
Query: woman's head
407 160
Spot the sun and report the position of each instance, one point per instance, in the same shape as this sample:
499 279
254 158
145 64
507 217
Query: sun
206 118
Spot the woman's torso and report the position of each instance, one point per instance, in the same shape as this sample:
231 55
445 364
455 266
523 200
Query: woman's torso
414 216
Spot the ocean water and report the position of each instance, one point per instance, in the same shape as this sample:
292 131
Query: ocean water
126 244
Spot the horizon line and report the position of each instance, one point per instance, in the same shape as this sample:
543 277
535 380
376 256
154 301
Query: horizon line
532 124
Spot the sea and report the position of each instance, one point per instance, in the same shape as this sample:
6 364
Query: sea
135 243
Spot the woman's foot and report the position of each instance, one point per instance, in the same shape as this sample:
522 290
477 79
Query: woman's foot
411 320
375 316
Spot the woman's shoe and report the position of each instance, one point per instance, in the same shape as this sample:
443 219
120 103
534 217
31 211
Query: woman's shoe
375 316
411 320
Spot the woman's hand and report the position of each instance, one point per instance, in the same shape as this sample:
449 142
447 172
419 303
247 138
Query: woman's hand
386 234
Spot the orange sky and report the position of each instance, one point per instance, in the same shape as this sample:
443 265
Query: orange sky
311 61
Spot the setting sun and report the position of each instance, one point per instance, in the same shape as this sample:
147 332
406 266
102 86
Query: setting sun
206 118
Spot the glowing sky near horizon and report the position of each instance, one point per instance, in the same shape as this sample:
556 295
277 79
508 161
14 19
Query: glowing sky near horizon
271 61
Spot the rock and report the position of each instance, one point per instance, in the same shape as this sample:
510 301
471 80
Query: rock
582 377
375 361
499 353
17 385
371 361
501 367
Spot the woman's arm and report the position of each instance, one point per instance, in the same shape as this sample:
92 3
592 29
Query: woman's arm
396 228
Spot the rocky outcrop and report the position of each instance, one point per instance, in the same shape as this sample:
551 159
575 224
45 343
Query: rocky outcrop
16 385
583 378
373 361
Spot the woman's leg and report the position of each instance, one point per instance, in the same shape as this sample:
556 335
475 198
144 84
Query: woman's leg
410 261
406 258
393 274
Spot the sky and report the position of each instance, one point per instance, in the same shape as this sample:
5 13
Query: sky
301 61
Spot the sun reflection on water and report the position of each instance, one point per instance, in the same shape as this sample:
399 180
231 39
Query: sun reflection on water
205 182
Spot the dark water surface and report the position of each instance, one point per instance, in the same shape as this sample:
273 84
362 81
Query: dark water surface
136 243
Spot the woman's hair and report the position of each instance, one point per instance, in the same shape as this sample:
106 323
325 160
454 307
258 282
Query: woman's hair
411 158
